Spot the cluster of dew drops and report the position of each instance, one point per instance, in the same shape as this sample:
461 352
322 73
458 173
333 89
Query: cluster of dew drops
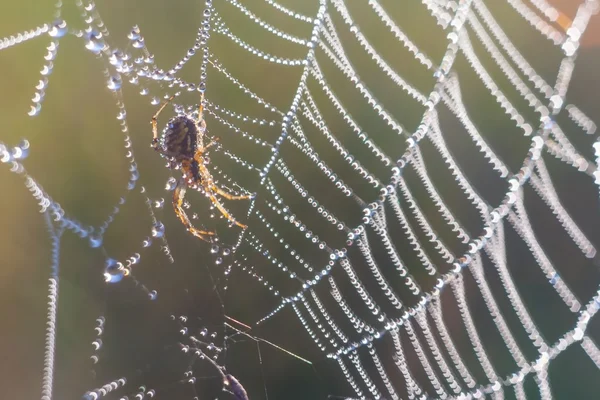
114 270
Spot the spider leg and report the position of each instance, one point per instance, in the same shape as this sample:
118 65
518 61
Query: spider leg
230 196
155 123
201 107
214 188
225 213
178 195
213 142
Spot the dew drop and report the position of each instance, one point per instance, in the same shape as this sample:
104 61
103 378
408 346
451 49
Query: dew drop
147 242
136 258
21 151
47 69
59 29
153 295
35 110
134 34
116 58
94 41
219 260
171 184
114 271
226 251
158 230
95 241
159 203
214 249
139 43
114 83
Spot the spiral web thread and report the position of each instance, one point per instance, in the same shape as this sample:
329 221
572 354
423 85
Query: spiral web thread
401 309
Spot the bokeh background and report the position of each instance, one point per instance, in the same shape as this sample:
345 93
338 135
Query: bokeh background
77 155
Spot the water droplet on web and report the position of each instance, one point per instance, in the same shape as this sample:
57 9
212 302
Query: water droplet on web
214 249
95 240
135 258
91 395
35 110
219 260
171 184
114 271
52 50
114 82
158 75
37 97
153 295
139 43
94 41
226 251
158 230
21 151
203 332
147 242
59 29
159 203
155 101
42 84
47 69
134 34
116 58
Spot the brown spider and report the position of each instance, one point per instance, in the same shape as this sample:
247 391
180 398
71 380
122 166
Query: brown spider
182 144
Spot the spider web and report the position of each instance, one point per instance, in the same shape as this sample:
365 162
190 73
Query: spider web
424 211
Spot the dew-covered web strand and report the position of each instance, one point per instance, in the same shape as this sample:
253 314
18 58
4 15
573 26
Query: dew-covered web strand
309 308
115 271
522 180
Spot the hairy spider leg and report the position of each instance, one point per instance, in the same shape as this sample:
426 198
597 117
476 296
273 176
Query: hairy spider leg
201 108
225 213
212 143
208 189
178 195
214 188
155 123
228 195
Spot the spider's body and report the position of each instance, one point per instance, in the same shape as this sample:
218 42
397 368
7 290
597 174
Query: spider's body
182 144
181 138
179 144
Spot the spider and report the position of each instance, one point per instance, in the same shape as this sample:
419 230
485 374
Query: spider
182 144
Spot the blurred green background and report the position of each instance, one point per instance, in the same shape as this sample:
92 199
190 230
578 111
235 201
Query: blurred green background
77 155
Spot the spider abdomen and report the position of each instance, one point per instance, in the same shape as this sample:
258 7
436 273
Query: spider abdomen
180 138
